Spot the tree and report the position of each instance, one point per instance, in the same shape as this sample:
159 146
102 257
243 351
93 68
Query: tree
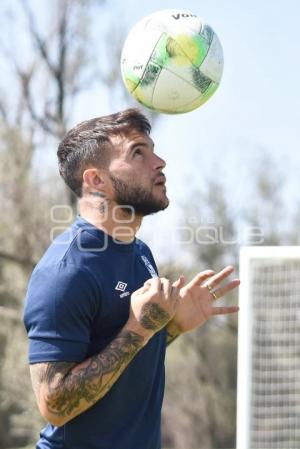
25 232
200 403
266 208
45 84
199 407
60 66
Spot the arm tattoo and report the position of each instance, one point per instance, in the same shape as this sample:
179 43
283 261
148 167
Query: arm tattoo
171 337
172 332
72 388
153 317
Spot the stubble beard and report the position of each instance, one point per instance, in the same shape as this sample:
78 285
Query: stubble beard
141 200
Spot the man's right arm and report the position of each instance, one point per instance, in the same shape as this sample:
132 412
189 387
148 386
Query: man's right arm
65 390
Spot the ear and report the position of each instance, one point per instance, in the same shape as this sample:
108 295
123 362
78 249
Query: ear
94 180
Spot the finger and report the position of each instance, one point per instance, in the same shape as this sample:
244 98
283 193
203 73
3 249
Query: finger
176 286
227 288
162 282
179 283
154 283
166 287
143 289
219 277
224 310
201 277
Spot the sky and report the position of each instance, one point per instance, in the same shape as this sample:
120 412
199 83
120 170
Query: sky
255 109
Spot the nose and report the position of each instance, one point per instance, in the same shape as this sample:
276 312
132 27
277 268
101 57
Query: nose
158 162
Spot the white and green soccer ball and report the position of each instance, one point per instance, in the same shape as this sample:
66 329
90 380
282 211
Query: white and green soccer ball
172 61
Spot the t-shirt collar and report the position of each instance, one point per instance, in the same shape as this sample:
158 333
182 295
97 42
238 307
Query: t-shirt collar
114 243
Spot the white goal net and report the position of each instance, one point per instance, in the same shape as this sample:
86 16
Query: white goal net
268 399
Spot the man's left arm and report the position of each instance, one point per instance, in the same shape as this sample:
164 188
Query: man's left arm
196 304
172 332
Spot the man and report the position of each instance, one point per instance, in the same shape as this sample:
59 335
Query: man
97 314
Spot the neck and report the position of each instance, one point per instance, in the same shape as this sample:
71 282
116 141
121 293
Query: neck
110 218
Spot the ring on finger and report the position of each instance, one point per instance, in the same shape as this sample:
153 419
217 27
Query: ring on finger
211 291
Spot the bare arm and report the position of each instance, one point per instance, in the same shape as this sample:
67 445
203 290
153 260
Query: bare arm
172 332
65 390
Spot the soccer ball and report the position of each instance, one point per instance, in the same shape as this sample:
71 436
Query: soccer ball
172 61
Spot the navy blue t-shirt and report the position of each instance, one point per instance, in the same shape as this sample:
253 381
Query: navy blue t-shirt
78 300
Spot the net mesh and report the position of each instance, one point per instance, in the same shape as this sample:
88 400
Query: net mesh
275 376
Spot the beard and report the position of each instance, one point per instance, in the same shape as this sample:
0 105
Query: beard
142 200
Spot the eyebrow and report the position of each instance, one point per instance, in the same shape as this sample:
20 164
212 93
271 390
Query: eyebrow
139 144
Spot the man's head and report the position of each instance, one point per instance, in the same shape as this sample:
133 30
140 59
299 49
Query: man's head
113 157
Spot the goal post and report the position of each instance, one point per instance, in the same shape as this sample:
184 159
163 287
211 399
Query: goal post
268 393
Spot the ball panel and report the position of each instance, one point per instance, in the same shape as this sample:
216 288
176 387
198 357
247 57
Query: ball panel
185 31
181 66
150 74
207 32
195 47
188 48
136 53
212 66
144 96
160 54
131 81
173 57
144 90
199 101
201 81
172 92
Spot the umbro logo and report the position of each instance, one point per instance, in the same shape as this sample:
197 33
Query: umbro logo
121 286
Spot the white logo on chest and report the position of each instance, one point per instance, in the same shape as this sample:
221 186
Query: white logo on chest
121 286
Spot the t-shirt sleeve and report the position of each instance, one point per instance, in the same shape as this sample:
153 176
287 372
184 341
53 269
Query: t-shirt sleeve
61 304
149 260
150 255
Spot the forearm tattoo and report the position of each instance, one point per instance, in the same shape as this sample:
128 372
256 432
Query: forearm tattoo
72 388
153 317
171 337
172 332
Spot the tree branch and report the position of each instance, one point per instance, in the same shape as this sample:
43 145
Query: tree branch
25 78
61 66
40 43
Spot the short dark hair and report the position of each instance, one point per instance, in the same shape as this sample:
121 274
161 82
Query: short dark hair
89 143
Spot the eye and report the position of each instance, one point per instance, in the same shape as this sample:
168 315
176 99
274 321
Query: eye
137 152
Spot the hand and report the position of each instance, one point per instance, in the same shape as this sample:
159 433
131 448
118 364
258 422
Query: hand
153 305
197 298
